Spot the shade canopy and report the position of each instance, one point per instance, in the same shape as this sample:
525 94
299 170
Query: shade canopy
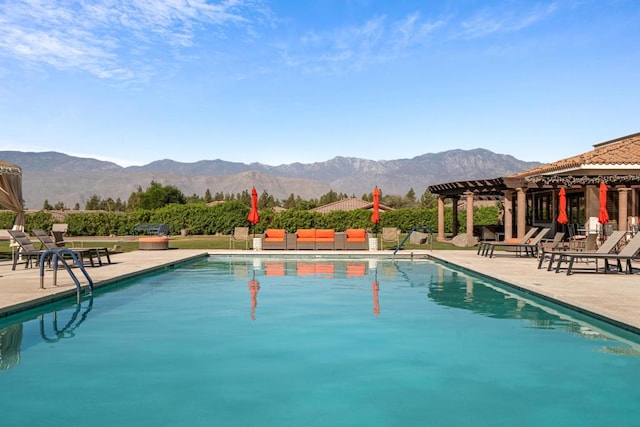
562 207
11 191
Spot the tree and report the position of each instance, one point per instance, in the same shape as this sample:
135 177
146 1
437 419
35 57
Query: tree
290 203
46 206
59 206
157 196
428 200
411 195
207 196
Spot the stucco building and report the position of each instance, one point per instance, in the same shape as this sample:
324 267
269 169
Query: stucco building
530 198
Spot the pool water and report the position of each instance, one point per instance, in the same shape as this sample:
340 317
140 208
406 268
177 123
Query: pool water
323 342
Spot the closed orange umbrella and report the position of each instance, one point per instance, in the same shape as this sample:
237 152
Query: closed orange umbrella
603 215
253 217
562 200
375 216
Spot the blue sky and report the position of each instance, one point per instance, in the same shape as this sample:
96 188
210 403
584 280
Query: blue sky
304 81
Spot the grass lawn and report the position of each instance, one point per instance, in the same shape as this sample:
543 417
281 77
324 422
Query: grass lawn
199 242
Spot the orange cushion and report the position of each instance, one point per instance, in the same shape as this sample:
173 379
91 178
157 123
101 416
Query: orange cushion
356 233
324 234
274 234
307 233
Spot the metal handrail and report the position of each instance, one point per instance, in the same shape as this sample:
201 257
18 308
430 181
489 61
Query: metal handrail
58 256
425 229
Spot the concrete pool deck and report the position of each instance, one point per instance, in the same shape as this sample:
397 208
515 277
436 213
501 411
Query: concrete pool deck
612 297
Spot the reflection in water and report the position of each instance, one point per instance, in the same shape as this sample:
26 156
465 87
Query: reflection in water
10 341
254 287
68 330
453 289
375 287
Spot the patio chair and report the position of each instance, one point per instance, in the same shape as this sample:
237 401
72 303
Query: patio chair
240 234
26 248
484 246
81 253
58 231
390 235
627 254
530 248
589 245
607 247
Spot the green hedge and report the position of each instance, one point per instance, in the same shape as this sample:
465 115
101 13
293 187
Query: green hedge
200 219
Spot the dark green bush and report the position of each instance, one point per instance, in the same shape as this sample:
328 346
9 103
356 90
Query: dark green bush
201 219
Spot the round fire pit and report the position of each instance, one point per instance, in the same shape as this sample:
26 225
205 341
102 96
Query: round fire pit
153 243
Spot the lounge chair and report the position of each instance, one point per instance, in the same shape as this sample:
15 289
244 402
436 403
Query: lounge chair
627 254
606 248
390 235
58 231
484 246
530 248
589 245
82 253
240 234
26 248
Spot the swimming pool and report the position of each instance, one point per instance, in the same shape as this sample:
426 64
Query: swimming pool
314 342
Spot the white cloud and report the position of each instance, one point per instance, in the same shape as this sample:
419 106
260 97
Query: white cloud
104 38
353 47
498 20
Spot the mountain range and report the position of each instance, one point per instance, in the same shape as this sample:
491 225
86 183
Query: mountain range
57 177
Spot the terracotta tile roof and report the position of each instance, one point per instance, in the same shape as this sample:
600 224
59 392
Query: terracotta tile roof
619 151
350 204
10 168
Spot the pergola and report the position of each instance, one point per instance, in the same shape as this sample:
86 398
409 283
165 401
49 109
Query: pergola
529 198
11 191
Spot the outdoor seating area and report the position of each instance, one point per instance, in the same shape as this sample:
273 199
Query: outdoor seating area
315 239
31 255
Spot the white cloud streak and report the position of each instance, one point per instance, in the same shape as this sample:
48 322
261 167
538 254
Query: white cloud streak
503 20
104 38
351 48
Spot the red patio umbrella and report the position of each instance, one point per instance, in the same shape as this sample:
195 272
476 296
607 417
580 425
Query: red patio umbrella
253 217
562 200
375 216
603 215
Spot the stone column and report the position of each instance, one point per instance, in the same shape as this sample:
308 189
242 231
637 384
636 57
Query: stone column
623 203
522 212
508 214
441 237
555 210
455 200
469 195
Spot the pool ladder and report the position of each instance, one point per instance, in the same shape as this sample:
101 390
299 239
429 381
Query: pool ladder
58 255
425 229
